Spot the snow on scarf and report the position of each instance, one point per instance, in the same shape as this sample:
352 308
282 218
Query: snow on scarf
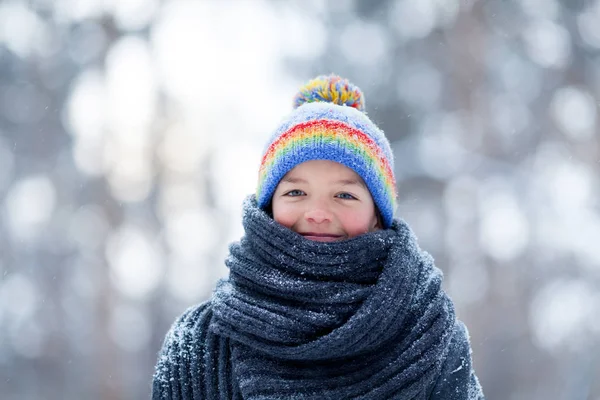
364 318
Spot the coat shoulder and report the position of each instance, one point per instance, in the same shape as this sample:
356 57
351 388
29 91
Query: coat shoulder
457 380
182 348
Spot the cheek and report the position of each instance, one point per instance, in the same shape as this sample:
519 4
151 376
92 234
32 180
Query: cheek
356 223
284 214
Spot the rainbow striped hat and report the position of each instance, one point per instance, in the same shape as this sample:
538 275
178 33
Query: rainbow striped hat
329 123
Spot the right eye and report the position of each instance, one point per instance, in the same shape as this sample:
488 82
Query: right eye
294 193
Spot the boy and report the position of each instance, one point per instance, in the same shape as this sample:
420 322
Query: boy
328 296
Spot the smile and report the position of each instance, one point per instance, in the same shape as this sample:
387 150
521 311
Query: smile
321 237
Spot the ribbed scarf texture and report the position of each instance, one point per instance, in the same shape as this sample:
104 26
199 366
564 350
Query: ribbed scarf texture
364 318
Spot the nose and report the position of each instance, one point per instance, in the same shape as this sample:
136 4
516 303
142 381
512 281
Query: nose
318 213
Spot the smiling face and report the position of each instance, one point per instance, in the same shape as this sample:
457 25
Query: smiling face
324 201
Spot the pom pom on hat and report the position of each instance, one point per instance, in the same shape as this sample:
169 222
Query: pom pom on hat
328 123
330 89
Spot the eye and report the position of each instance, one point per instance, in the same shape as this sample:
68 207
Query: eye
345 196
294 193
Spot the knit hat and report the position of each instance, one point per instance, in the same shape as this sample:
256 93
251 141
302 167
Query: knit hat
329 123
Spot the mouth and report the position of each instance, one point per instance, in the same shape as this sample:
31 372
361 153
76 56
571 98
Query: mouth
322 237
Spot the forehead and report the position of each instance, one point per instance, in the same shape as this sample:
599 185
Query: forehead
323 170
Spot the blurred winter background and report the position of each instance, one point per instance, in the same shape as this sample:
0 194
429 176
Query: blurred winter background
131 130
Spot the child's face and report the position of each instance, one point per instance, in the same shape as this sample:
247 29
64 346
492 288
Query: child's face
324 201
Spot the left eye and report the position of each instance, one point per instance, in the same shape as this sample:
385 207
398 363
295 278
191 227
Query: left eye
294 193
346 196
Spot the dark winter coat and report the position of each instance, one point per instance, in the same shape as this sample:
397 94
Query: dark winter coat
364 318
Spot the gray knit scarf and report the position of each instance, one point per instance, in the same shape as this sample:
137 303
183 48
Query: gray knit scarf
364 318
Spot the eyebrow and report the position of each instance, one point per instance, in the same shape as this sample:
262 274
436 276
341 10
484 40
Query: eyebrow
340 181
293 180
351 182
